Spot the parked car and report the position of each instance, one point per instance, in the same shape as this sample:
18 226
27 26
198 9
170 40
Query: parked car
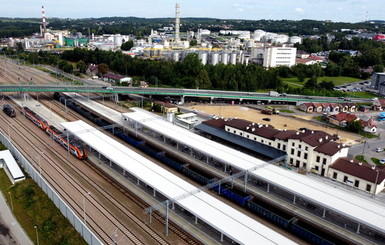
266 119
378 149
382 161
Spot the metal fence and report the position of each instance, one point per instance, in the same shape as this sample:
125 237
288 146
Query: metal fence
76 222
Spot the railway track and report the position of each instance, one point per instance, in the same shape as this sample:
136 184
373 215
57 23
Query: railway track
181 234
173 228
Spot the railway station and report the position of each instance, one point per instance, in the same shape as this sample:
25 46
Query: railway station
205 208
346 214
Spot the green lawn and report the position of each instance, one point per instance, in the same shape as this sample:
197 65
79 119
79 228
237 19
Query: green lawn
376 161
360 94
31 206
294 82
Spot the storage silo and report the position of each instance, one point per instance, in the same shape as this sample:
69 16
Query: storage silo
233 58
203 58
225 58
118 40
175 56
295 39
214 58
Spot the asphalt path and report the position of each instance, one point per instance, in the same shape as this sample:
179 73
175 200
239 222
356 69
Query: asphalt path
10 230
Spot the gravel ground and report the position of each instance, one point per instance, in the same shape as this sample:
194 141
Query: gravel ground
278 121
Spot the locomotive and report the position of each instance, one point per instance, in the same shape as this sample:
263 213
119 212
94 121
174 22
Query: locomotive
9 110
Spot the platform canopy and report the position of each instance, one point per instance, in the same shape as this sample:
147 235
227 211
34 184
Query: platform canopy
225 219
354 207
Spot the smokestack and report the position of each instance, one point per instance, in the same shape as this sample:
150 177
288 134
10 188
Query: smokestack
44 24
177 23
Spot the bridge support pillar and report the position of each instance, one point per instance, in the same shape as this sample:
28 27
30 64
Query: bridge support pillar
240 100
154 192
221 237
294 199
211 100
268 187
324 213
166 223
358 228
196 219
182 99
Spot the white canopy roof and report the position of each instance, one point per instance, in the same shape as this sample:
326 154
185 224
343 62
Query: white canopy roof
222 217
12 166
359 209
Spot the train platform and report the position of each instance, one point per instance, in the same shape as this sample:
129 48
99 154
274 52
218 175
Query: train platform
51 117
117 118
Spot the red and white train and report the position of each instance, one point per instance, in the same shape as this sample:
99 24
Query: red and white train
75 148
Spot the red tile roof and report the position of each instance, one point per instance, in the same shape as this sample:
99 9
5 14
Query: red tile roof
342 116
216 123
363 171
329 148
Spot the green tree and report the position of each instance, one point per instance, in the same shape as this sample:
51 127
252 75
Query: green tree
355 126
203 80
378 68
81 66
103 68
127 45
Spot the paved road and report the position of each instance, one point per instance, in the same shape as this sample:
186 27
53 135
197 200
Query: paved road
10 230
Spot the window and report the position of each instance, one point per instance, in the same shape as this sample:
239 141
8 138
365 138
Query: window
304 165
324 161
284 147
298 154
316 168
305 156
345 178
241 134
297 163
334 175
299 146
293 144
291 160
234 131
356 183
255 138
228 129
292 151
279 146
368 187
262 141
247 136
318 159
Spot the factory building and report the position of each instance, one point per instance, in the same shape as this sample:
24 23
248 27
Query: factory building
279 56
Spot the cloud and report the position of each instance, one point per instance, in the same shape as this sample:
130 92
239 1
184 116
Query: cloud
340 8
241 9
299 10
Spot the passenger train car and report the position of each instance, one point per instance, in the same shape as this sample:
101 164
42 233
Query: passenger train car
75 148
36 119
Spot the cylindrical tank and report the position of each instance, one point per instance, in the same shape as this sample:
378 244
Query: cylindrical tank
225 58
203 58
61 39
118 40
233 58
175 56
214 58
170 117
295 39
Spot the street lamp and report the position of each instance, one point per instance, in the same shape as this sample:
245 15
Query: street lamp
10 195
375 183
37 235
84 207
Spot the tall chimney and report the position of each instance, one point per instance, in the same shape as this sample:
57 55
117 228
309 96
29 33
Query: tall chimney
44 23
177 23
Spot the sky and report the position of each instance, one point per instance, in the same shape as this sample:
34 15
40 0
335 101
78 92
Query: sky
335 10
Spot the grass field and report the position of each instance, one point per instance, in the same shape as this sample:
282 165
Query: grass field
294 82
360 94
32 207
